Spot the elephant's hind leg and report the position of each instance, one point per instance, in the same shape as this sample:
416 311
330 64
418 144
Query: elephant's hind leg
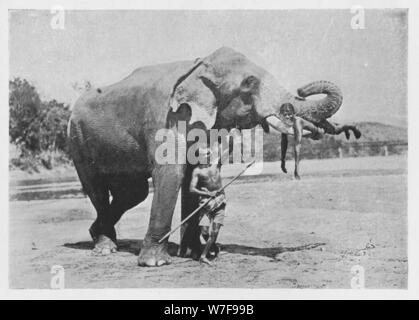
103 237
335 129
127 191
94 185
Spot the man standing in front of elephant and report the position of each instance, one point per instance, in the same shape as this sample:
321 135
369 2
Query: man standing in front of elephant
206 182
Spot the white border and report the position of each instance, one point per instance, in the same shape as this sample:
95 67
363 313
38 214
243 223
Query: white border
411 293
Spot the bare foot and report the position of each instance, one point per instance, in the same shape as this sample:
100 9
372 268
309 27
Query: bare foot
214 251
284 169
347 134
204 260
357 133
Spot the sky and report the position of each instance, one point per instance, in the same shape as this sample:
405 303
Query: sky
296 46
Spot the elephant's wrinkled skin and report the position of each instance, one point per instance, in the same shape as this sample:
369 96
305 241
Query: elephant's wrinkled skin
112 135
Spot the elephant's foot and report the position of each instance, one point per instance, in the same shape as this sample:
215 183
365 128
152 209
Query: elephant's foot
104 246
96 231
153 255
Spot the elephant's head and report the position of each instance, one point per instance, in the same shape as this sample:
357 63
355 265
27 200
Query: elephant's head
226 90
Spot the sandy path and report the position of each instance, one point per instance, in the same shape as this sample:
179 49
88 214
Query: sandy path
340 215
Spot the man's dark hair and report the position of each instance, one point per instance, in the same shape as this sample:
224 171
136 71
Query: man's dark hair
287 107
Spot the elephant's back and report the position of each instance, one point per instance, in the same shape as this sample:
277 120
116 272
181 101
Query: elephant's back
144 94
146 80
165 74
109 124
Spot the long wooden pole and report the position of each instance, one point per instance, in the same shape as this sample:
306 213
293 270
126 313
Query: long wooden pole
205 203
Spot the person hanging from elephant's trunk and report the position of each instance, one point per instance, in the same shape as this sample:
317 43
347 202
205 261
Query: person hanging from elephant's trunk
301 117
299 125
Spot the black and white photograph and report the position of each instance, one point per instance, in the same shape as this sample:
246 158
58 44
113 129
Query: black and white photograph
208 148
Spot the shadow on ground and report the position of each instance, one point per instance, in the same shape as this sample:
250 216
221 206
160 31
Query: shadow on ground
266 252
133 246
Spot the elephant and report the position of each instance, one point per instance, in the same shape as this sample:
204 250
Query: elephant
112 136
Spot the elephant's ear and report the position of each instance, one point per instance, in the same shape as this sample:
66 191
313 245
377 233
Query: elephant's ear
198 89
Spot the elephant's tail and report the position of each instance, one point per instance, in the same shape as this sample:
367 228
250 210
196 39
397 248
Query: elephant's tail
75 141
75 138
322 108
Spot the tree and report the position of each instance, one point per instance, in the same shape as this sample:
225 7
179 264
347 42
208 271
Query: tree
24 110
54 125
35 125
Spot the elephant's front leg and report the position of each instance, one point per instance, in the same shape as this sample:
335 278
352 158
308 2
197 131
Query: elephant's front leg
167 180
189 235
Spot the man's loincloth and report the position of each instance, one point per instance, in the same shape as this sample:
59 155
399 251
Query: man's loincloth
214 209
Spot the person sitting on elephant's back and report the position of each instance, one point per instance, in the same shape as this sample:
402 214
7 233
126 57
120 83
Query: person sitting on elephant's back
206 182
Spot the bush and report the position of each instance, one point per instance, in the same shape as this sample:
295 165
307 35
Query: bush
25 163
38 128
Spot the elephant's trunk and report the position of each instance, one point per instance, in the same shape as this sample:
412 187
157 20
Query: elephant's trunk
318 110
274 96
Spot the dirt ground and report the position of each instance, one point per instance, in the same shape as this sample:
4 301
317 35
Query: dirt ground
278 233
